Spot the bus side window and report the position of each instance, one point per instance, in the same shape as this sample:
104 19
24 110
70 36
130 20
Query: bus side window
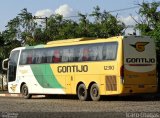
110 51
65 55
29 59
80 54
85 54
38 56
99 52
93 53
44 59
76 54
49 55
23 58
71 55
56 56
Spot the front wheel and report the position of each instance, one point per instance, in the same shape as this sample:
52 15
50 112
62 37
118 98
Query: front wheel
94 92
82 92
25 93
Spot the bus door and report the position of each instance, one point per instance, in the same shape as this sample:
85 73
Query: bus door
139 61
12 69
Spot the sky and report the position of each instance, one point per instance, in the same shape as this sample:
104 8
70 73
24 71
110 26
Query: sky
9 9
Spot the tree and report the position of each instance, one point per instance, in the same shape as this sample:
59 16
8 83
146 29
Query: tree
24 29
59 28
105 25
68 29
83 26
27 25
6 46
53 26
150 21
21 27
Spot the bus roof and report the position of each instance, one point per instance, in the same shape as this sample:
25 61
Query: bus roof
70 40
81 39
18 48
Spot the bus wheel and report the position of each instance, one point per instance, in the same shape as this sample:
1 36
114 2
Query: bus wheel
94 92
24 91
82 92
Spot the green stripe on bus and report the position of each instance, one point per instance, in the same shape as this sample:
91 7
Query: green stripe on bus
37 46
44 75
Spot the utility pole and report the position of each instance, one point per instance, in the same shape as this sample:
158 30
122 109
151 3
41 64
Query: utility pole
44 18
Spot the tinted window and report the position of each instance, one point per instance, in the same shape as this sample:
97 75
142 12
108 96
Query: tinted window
95 52
82 53
39 56
49 55
26 57
13 65
56 55
89 52
110 51
67 54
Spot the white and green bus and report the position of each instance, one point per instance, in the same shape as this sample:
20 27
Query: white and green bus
87 67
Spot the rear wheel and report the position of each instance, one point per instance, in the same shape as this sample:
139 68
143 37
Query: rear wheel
25 93
82 92
94 92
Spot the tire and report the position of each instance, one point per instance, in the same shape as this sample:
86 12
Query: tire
82 92
94 92
25 93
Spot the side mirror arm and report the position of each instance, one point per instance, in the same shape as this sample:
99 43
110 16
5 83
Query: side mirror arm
3 67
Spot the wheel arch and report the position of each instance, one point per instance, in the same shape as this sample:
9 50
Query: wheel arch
79 83
22 85
93 82
95 96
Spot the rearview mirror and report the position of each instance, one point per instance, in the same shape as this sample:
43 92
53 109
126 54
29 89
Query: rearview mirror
5 64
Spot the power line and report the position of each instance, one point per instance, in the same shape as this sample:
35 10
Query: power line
124 9
117 10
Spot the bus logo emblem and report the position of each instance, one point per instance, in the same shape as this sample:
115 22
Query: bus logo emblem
139 46
13 87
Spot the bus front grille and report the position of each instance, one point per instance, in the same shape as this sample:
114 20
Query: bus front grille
111 83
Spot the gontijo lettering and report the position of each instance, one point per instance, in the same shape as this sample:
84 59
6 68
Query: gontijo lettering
74 68
140 60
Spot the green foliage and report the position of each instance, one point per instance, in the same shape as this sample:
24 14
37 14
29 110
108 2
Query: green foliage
24 28
150 21
21 27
